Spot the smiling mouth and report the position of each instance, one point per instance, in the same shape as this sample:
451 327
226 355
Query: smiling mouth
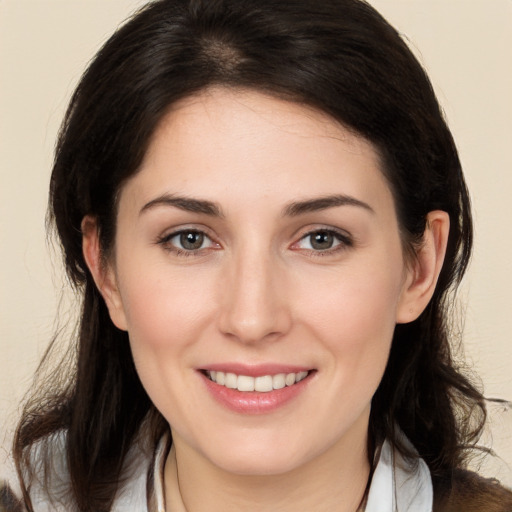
262 384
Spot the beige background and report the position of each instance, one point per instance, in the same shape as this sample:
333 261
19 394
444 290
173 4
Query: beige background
466 46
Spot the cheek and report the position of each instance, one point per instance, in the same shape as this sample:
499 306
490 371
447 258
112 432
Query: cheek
353 315
166 311
166 315
357 308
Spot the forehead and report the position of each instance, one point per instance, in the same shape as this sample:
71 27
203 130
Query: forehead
222 140
250 116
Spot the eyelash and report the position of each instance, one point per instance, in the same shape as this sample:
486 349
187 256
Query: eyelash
344 239
344 242
165 241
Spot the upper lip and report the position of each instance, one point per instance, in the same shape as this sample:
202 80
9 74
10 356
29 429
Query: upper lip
255 370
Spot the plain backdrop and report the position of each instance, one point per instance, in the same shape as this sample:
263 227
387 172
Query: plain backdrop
466 46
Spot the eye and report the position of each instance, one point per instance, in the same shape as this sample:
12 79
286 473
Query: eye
189 240
186 241
323 240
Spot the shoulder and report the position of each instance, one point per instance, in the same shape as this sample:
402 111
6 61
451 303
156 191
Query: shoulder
45 477
10 489
465 491
48 482
9 500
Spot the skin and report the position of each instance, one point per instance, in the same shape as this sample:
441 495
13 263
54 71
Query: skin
258 291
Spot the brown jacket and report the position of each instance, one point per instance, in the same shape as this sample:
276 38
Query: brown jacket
465 491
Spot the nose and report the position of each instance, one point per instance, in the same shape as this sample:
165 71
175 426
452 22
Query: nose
254 299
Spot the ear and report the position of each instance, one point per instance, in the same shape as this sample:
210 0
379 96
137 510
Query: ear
423 271
102 272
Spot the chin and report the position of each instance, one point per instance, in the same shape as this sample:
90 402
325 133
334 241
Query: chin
261 457
262 464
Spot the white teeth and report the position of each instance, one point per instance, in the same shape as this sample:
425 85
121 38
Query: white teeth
290 379
279 381
262 384
300 376
231 381
245 383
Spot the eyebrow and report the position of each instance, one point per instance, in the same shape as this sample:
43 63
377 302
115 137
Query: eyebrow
184 203
293 209
323 203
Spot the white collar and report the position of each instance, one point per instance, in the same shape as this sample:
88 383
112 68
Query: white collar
399 485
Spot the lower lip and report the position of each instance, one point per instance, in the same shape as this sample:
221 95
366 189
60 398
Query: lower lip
254 402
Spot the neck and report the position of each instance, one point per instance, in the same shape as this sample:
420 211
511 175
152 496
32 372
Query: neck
336 479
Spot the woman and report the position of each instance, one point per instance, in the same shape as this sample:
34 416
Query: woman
265 212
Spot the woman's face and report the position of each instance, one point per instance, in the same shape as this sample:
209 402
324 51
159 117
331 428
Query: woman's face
258 246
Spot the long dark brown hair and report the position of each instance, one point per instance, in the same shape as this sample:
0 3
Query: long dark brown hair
338 56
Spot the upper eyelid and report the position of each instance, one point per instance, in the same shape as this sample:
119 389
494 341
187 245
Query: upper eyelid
330 229
171 232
